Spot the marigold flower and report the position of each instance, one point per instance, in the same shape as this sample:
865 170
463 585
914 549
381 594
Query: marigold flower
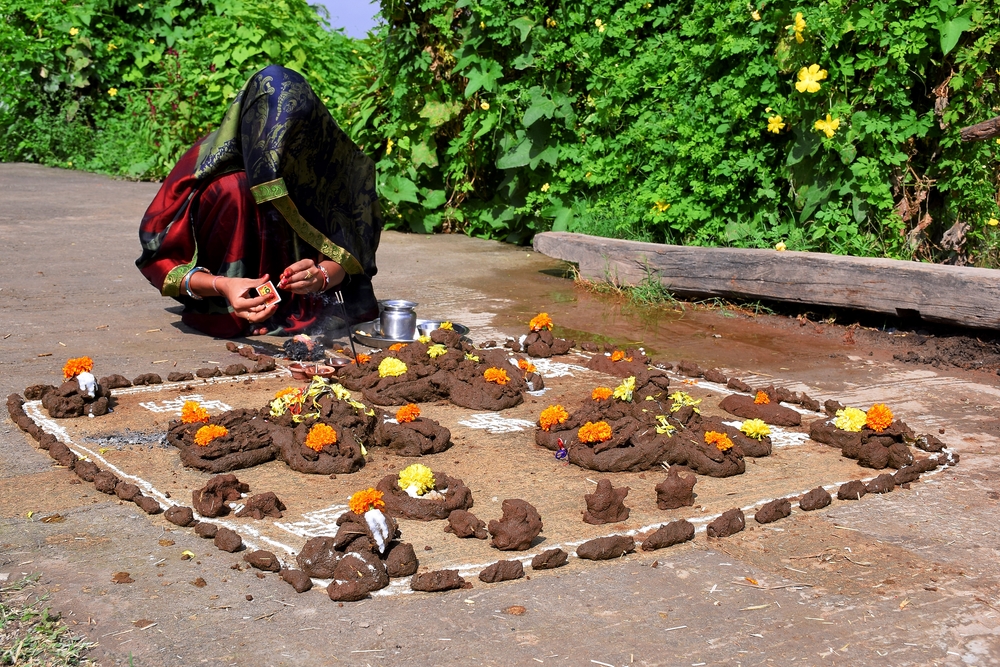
526 366
798 26
878 417
552 416
720 440
391 367
683 399
407 413
850 419
418 477
77 365
828 126
208 433
663 427
775 124
761 398
755 428
601 393
396 347
288 391
496 376
447 326
809 78
617 355
623 392
424 339
365 500
594 432
540 321
435 351
362 358
319 436
193 413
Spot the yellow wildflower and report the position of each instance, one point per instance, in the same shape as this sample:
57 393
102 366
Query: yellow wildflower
780 246
809 78
482 25
775 124
391 367
551 22
152 41
545 187
435 351
74 32
828 126
112 91
623 392
755 15
388 146
111 46
993 222
598 23
661 206
850 419
799 27
417 477
755 428
485 106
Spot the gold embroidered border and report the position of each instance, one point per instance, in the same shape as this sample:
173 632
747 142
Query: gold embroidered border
314 237
172 283
270 190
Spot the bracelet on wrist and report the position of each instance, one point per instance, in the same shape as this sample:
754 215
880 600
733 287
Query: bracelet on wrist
326 278
187 281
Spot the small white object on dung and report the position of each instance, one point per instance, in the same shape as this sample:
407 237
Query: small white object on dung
88 384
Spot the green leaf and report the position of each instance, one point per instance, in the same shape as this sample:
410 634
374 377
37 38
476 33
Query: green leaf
439 113
519 156
524 24
951 32
424 154
398 189
434 199
541 107
484 76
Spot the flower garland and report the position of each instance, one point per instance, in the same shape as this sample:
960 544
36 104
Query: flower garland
320 435
288 399
879 417
391 367
761 398
601 393
755 428
193 413
208 433
593 432
540 321
552 416
471 357
850 419
76 366
720 440
418 477
407 413
496 376
365 500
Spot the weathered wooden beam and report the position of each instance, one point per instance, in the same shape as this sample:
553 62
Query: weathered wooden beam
963 296
982 131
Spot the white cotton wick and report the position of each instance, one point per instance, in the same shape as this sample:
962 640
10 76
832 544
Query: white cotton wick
379 527
88 384
413 491
520 341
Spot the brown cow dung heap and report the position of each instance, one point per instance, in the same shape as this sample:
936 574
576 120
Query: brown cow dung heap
419 437
606 504
888 448
517 528
67 400
767 409
540 344
458 375
449 494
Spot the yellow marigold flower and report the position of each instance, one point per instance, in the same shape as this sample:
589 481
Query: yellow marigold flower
545 187
471 357
761 398
663 427
551 22
496 376
112 91
447 326
526 366
682 399
391 367
755 428
74 32
993 222
407 413
485 106
208 433
362 358
435 351
809 78
720 440
601 393
780 246
552 416
850 419
755 15
396 347
594 432
418 477
878 417
623 392
828 126
775 124
369 499
424 339
540 321
799 26
77 365
319 436
193 413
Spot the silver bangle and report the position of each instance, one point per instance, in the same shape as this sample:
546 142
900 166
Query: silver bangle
187 281
326 278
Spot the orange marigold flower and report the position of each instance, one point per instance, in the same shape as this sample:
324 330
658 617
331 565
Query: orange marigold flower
288 391
540 321
193 413
208 433
761 398
601 393
526 365
319 436
407 413
369 499
362 358
617 355
878 417
496 376
552 416
76 366
720 440
396 347
594 432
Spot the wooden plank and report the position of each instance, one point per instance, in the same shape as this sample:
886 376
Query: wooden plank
982 131
946 294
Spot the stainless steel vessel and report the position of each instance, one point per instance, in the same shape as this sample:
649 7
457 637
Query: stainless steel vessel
398 319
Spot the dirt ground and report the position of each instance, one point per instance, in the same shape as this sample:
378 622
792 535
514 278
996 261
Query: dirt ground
907 578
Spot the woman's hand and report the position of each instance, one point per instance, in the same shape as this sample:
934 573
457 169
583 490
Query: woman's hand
252 309
302 277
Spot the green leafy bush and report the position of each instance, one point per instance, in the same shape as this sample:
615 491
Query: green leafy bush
651 120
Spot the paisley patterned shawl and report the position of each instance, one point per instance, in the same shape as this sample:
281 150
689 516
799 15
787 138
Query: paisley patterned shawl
296 158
